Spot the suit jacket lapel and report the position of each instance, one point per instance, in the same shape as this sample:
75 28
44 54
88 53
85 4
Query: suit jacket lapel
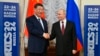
59 28
38 23
43 25
66 27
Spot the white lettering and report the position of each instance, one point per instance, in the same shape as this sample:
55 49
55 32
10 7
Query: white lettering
9 37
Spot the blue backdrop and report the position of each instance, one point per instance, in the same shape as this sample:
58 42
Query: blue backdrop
92 30
9 29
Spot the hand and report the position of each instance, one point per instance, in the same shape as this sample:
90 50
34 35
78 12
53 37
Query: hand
46 35
74 51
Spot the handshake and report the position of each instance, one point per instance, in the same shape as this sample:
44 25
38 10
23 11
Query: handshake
46 35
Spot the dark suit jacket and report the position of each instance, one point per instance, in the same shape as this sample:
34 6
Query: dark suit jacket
36 43
66 42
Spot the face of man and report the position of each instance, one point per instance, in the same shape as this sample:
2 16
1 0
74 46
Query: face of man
39 11
61 14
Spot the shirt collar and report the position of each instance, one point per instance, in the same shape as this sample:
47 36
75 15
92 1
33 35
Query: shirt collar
63 20
37 17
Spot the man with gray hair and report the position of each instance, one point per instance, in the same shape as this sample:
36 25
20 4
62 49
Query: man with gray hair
65 34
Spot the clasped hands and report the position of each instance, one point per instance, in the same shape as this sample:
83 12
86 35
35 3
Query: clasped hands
46 35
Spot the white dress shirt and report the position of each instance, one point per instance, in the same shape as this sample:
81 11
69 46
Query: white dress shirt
64 21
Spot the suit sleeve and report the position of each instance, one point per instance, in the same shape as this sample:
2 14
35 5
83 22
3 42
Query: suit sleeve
32 30
53 35
74 38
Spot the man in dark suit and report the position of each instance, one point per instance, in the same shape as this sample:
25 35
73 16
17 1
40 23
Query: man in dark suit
37 28
65 34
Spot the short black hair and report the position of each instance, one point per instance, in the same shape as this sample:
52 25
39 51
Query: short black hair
38 4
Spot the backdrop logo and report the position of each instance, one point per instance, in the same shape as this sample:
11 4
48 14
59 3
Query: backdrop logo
92 36
9 37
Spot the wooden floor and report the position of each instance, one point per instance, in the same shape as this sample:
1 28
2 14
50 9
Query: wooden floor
50 52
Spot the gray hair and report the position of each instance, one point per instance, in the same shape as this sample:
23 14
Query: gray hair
62 10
